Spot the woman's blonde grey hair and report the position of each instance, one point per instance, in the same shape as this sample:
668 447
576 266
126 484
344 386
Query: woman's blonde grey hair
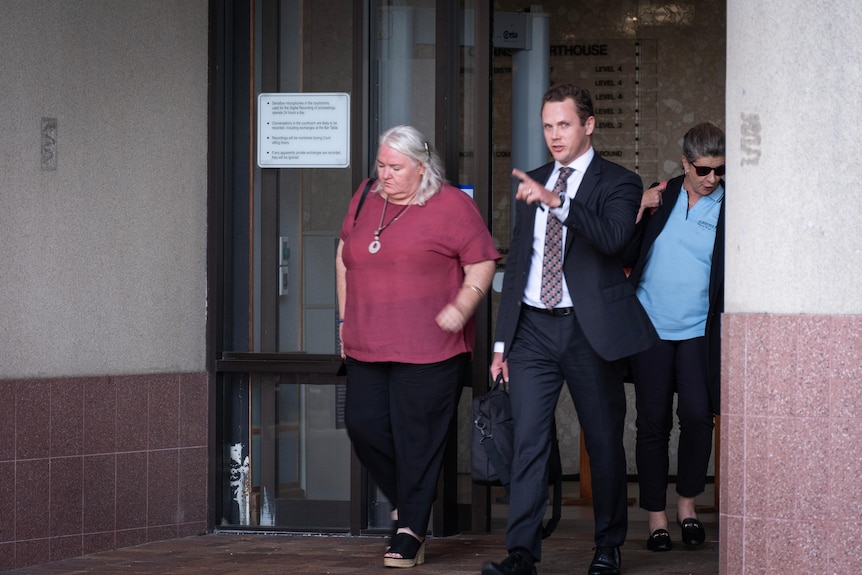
410 142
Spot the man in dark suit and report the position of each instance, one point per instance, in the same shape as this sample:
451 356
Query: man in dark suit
568 317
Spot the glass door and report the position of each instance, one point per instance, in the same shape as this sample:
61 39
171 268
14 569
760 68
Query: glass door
287 459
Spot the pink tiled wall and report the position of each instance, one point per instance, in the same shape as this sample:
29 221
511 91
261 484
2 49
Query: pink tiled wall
96 463
791 449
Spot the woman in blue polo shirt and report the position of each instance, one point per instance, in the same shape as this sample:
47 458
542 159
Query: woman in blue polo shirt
677 259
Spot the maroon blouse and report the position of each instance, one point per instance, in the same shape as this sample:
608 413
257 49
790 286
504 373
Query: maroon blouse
394 295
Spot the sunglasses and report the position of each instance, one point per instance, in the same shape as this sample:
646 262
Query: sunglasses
705 170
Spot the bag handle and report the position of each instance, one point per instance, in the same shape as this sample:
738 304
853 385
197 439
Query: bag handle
556 472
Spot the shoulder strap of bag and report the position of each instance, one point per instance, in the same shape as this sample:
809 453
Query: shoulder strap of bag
556 473
367 187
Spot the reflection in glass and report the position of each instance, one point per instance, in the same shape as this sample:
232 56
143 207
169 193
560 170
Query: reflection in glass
405 63
301 453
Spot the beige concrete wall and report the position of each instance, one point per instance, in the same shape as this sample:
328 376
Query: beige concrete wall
102 260
794 242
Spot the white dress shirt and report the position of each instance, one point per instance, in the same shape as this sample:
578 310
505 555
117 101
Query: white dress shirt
534 280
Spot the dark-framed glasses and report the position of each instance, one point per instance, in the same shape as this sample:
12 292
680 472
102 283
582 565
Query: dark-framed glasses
705 170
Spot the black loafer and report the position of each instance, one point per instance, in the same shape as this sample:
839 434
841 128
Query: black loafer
659 540
606 561
692 531
515 564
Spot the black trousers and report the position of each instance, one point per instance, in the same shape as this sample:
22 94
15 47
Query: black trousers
398 417
672 367
546 351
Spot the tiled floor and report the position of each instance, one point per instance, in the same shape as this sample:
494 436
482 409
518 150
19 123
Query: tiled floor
567 551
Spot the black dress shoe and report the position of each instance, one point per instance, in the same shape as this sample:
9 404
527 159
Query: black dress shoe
606 561
515 564
693 532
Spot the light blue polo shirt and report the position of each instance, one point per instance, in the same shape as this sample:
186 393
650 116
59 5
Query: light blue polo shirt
674 287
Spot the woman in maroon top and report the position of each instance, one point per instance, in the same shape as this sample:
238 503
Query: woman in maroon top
411 266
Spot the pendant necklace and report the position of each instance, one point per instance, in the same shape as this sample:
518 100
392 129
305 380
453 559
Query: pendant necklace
374 246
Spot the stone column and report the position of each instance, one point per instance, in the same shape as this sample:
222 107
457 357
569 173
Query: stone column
791 461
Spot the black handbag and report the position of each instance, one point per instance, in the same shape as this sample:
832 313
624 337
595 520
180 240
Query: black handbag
492 447
493 435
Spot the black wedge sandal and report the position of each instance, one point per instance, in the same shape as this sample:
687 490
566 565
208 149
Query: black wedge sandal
391 539
412 551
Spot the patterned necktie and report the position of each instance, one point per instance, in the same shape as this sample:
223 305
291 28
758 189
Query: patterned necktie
552 263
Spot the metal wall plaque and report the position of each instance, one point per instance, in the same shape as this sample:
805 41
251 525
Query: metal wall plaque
48 142
303 130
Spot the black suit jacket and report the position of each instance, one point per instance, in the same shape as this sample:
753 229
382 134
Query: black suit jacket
648 229
600 223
